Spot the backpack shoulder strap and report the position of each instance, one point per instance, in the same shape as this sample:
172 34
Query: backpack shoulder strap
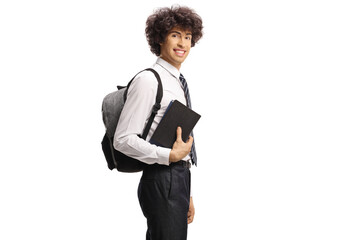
157 104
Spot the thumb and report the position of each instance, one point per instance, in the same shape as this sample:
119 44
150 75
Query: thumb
178 134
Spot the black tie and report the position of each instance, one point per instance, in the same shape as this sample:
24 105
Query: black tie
188 102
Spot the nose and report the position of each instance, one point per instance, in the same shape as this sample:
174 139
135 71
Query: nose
181 42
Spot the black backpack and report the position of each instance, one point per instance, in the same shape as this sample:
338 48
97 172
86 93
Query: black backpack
112 106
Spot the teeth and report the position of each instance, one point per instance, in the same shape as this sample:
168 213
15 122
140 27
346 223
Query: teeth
180 51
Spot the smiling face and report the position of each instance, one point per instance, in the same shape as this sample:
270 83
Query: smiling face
176 46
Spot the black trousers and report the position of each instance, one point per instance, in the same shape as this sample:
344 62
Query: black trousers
164 196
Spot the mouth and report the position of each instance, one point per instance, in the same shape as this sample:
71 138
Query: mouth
179 52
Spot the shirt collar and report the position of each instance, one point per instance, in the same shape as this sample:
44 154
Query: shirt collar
168 67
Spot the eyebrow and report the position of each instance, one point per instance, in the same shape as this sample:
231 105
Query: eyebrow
179 32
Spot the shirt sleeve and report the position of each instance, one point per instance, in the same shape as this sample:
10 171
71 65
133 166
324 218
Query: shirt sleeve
137 109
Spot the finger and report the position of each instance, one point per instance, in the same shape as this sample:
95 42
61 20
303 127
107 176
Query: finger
178 134
190 219
190 140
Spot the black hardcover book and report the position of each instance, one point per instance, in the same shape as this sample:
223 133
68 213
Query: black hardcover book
177 114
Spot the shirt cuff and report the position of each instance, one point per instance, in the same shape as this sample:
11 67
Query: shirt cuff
164 155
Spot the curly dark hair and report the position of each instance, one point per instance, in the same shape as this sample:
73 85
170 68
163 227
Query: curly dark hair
164 19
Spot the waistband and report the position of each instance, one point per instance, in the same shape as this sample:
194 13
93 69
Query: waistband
185 164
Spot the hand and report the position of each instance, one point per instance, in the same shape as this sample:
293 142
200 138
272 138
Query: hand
180 149
191 211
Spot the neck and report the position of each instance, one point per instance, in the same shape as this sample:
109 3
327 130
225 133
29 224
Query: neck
176 65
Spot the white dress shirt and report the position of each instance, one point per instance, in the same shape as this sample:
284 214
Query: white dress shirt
137 109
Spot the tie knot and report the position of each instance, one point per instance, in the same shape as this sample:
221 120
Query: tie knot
183 81
181 77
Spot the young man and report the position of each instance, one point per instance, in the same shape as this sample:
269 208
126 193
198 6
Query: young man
164 188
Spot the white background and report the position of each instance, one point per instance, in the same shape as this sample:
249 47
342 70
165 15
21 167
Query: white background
276 83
